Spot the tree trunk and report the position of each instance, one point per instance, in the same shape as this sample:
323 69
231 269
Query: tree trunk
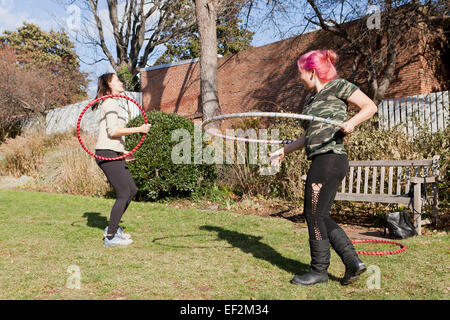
206 19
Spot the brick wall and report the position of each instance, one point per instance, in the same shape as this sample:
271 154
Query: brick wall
266 78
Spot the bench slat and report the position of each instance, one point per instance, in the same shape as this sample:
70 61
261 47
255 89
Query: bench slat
350 183
343 185
387 163
366 180
408 179
402 199
358 180
383 169
374 180
391 175
399 180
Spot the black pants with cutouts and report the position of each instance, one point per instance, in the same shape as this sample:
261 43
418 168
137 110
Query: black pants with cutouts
324 177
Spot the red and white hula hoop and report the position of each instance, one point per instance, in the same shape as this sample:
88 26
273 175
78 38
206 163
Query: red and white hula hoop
103 98
215 133
379 253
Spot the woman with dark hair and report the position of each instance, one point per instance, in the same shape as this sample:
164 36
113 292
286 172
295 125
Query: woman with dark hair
111 144
324 146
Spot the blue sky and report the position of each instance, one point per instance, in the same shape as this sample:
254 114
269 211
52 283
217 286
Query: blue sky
53 14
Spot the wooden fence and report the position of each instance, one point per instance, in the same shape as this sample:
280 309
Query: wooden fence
429 111
65 118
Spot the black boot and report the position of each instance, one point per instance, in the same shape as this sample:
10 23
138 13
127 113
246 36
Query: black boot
344 248
320 260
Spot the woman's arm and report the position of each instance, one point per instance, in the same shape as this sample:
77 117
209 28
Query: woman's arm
277 156
111 109
367 110
119 132
297 144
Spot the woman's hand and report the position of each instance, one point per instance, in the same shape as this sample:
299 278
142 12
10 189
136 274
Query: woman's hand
276 157
130 157
145 128
348 127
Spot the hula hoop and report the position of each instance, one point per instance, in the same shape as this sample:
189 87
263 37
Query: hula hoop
263 114
103 98
379 253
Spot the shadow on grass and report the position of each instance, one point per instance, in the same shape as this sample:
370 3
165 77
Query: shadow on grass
96 220
251 244
200 239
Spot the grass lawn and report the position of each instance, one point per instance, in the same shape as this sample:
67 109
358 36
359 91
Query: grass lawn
188 254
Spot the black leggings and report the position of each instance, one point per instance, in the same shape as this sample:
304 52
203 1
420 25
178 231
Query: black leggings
324 177
120 178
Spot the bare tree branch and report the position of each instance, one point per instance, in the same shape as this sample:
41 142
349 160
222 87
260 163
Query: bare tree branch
94 6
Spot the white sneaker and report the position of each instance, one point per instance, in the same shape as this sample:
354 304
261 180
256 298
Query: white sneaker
117 241
119 231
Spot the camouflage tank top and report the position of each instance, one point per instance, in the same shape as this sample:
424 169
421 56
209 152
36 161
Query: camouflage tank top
330 103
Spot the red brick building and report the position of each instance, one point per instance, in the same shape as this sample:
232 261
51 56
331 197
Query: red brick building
266 78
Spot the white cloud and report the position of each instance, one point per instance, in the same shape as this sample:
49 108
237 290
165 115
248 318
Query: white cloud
11 18
5 3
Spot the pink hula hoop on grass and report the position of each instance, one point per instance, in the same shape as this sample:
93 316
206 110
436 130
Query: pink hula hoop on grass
103 98
379 253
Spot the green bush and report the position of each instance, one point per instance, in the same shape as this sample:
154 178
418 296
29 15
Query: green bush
155 174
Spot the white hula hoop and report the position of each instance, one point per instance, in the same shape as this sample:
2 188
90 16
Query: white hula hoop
267 115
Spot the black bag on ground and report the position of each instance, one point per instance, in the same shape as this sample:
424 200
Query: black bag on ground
399 225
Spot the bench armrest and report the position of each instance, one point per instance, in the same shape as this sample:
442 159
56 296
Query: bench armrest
423 180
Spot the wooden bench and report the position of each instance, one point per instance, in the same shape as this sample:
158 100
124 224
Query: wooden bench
408 182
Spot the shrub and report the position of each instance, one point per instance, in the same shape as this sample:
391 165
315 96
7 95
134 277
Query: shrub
155 174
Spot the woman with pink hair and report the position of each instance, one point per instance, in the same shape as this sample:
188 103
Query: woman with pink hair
324 146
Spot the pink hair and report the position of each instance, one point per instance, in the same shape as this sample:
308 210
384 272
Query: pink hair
322 61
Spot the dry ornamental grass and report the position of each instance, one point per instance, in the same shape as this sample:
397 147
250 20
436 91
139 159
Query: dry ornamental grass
57 162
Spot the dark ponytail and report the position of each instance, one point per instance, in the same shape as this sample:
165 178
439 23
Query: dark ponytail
103 88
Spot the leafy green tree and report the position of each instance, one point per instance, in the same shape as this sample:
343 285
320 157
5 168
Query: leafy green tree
40 71
38 47
52 51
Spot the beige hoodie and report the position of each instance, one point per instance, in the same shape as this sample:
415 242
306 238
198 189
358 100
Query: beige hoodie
111 119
